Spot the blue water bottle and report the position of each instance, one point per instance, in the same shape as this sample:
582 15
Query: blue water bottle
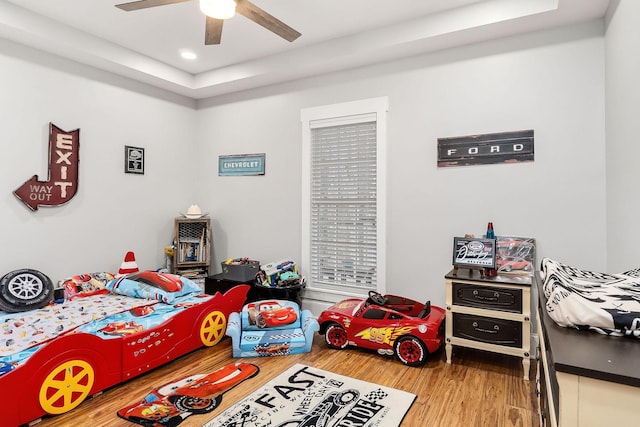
491 272
490 233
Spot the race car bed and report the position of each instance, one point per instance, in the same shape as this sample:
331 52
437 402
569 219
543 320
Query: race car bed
52 358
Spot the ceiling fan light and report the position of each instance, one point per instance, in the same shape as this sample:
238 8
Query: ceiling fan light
218 9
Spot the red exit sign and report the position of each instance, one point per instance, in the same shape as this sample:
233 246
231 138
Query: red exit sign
62 183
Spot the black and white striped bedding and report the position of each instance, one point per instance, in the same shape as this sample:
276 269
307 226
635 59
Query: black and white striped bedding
582 299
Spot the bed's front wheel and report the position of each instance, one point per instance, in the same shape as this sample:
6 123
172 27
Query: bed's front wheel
213 328
66 386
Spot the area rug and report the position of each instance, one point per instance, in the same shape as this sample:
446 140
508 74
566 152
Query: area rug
308 396
169 404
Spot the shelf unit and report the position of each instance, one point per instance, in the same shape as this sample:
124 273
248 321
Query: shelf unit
489 313
192 253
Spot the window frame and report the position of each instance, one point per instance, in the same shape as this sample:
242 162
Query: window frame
336 114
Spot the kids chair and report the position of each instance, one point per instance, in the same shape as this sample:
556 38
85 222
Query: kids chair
271 328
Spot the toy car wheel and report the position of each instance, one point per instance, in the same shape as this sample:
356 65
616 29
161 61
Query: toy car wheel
336 336
260 321
410 351
195 405
25 289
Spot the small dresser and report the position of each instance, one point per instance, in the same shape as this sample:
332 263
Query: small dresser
489 313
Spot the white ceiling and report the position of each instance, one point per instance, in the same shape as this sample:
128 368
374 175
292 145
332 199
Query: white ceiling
336 34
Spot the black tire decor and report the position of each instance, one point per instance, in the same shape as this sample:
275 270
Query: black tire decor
25 289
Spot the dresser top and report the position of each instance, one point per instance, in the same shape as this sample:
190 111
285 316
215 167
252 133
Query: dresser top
477 276
590 354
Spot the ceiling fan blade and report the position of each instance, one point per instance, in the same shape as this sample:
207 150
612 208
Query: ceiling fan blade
213 31
143 4
260 17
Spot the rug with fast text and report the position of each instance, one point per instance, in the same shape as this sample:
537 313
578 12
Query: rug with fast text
305 396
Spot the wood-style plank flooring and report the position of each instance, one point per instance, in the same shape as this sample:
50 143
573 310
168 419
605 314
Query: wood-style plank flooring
476 389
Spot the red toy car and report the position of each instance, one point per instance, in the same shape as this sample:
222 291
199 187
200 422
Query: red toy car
169 404
269 314
388 324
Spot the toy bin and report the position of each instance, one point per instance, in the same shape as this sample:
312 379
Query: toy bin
241 272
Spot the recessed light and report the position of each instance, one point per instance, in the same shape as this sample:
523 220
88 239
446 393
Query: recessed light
187 54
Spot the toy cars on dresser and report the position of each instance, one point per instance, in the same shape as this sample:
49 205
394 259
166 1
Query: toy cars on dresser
389 324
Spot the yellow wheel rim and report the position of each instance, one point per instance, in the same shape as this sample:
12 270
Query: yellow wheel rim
66 386
213 328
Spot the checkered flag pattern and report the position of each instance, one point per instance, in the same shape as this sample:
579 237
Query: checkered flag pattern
285 336
376 395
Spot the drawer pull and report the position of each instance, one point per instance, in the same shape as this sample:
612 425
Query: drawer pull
495 330
480 297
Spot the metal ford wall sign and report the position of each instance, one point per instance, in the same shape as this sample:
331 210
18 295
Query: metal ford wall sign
241 164
505 147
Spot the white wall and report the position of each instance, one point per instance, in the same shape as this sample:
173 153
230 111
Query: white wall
552 82
623 131
112 212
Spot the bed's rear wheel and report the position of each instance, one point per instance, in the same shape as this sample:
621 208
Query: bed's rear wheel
66 386
213 328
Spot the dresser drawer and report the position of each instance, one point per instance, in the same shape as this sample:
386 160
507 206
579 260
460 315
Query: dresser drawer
487 330
487 297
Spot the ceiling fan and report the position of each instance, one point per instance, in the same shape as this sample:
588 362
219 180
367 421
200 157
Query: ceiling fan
213 29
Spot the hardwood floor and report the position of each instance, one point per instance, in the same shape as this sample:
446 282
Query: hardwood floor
476 389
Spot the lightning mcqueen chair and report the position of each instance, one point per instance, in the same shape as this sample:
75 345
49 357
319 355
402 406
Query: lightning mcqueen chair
271 328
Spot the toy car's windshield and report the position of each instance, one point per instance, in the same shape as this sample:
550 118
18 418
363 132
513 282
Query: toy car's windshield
269 307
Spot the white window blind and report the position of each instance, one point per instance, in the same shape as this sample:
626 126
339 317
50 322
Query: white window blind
344 199
343 234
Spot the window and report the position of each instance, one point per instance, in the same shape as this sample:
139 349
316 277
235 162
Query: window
344 203
374 314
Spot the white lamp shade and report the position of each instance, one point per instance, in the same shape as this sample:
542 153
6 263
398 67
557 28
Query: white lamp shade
219 9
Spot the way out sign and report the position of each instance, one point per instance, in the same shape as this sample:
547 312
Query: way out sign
504 147
62 183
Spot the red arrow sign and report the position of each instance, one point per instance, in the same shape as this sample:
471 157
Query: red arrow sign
62 183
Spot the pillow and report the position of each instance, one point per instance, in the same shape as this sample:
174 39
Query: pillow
270 314
153 285
84 285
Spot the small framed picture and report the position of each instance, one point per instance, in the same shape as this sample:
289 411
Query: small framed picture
133 160
515 255
471 252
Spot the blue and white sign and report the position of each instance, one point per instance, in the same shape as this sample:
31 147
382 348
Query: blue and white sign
241 164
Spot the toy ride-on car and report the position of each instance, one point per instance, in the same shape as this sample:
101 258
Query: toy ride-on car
388 324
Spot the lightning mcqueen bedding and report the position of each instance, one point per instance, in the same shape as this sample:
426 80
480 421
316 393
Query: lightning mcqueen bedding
601 302
52 358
